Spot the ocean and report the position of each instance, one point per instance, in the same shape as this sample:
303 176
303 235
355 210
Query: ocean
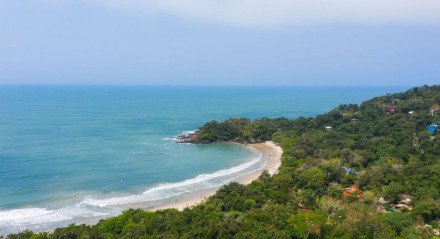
76 154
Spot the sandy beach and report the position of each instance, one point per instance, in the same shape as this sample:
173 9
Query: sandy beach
271 153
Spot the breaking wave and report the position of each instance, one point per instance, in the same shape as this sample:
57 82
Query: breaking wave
89 209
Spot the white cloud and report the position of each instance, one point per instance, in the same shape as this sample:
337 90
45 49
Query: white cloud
275 13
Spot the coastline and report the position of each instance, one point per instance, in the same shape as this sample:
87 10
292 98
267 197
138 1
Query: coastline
271 153
270 158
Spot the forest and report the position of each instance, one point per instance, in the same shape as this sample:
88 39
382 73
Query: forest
359 171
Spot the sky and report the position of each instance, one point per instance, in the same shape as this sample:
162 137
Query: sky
220 42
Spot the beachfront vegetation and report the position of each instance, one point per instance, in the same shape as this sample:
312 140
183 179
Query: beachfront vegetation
242 130
373 174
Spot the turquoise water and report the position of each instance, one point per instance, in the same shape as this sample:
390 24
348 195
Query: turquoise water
68 154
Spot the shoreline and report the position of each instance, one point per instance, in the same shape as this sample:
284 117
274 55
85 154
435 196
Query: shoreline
270 152
270 156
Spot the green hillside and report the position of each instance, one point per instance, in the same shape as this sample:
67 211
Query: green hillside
358 171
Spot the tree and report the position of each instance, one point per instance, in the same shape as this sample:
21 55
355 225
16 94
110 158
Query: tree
307 224
398 220
331 207
313 178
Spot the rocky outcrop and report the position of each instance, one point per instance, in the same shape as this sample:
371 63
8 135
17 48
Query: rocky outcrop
189 138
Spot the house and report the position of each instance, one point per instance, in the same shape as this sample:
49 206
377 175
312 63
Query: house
434 110
389 109
382 201
404 203
405 199
328 128
401 206
349 170
432 128
302 207
352 191
382 206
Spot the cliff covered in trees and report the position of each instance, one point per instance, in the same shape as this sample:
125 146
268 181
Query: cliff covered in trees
358 171
240 130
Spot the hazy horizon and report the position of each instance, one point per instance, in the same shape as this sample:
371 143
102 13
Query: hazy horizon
235 43
402 87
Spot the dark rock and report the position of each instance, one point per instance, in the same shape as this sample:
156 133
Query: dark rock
190 138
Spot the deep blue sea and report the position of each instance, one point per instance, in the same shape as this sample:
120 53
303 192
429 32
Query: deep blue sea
69 153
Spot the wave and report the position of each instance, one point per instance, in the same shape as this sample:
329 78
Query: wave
44 215
43 219
176 138
167 190
88 207
27 215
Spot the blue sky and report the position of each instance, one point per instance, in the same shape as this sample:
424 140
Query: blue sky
212 42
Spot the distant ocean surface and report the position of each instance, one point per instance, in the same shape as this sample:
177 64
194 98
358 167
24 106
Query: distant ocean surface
68 154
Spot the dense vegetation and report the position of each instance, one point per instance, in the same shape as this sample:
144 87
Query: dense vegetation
389 156
242 130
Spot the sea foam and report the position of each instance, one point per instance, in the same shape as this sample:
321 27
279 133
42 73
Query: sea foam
167 190
176 138
43 219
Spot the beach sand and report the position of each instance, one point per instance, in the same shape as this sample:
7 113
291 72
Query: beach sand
270 152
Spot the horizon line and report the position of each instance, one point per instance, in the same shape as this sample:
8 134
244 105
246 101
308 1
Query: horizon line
209 85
